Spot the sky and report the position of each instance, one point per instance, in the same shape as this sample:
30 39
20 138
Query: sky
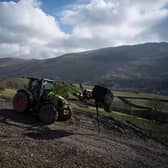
40 29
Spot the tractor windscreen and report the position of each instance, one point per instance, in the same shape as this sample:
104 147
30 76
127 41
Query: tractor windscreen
48 86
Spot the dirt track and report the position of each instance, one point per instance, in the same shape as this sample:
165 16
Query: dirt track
25 142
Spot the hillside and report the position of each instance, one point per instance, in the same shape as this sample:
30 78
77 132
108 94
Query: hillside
126 67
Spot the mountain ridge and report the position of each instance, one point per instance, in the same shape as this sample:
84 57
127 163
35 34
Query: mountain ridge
142 66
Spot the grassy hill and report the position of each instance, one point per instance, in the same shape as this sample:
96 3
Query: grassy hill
142 67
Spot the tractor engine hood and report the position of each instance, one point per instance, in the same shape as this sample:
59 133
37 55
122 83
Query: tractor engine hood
54 97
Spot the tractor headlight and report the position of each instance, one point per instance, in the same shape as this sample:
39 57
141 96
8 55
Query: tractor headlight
66 111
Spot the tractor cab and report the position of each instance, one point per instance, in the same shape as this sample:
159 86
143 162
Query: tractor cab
36 82
40 87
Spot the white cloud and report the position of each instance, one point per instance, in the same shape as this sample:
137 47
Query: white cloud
103 23
26 31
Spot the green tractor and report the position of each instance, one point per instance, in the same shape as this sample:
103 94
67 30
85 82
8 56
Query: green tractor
41 99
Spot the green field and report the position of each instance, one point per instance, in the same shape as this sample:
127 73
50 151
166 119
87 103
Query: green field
14 83
7 93
150 126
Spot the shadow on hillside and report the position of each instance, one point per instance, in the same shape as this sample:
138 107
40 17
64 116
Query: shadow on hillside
31 126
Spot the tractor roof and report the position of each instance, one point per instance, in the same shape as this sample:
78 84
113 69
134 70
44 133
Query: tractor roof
37 78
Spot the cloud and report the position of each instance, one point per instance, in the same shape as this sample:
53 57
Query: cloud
26 31
102 23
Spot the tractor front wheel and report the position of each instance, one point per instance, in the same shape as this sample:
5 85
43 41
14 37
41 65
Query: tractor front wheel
48 113
65 114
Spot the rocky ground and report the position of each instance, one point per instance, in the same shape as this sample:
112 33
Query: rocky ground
25 142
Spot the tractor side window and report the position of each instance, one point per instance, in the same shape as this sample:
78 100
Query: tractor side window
34 84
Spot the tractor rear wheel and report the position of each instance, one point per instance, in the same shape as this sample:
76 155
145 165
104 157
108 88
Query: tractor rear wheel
48 113
21 102
65 114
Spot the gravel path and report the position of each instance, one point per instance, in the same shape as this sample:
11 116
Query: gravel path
25 142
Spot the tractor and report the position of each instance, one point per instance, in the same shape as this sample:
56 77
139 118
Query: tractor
102 96
40 98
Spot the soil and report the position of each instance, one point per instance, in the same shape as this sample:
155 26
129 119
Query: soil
25 142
